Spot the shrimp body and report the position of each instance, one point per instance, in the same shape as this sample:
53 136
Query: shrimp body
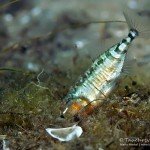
98 81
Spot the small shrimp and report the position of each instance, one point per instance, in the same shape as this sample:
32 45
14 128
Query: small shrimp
97 82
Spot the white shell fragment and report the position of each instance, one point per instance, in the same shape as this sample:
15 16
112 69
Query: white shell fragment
65 134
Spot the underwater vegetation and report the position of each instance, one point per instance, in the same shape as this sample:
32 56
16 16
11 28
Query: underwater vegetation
40 61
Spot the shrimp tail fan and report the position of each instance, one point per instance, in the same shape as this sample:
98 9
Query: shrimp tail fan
137 23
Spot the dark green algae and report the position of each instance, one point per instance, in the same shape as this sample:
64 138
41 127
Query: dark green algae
29 106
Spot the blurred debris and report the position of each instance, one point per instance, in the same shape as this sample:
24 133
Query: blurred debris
12 7
4 143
